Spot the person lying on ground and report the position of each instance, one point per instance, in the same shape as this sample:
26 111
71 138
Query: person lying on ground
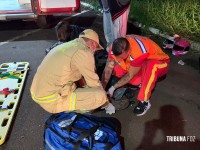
65 32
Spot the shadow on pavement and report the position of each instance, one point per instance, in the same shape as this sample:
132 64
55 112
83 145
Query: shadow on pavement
171 123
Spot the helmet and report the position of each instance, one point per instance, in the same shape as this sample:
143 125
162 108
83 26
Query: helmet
168 44
180 47
119 100
118 94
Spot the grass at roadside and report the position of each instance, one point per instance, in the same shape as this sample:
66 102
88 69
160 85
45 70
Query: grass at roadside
93 3
171 16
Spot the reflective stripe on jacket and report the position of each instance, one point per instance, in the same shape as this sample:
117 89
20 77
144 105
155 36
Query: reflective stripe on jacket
60 69
141 45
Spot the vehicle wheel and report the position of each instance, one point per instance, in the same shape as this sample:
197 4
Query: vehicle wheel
43 21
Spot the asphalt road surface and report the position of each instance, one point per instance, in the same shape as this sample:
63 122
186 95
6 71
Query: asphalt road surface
175 101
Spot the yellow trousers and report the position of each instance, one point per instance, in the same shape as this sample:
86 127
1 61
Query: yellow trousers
80 99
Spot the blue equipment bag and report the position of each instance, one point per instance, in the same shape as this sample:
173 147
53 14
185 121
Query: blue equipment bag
75 131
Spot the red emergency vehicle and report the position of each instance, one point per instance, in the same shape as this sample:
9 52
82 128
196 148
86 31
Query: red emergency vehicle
39 10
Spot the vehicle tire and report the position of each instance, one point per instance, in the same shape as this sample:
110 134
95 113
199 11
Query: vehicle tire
43 21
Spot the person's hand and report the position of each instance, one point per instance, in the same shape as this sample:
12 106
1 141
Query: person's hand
111 91
110 109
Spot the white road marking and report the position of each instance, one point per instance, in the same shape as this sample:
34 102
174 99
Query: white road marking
18 37
28 33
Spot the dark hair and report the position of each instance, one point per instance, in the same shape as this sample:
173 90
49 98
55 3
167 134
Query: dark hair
62 24
119 45
63 30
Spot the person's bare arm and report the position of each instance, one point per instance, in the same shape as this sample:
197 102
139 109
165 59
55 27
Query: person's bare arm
107 72
127 77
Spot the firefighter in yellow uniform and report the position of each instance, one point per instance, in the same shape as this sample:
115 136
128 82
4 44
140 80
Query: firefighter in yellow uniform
53 86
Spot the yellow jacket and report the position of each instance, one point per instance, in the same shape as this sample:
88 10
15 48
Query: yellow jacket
64 65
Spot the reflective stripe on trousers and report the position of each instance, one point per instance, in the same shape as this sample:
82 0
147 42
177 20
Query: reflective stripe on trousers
72 103
45 99
53 98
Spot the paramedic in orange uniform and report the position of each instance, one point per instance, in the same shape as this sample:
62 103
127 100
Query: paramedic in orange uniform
138 61
54 85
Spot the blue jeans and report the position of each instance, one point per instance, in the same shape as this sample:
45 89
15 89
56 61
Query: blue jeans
108 28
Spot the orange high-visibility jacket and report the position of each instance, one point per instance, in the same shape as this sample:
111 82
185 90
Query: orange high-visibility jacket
139 46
